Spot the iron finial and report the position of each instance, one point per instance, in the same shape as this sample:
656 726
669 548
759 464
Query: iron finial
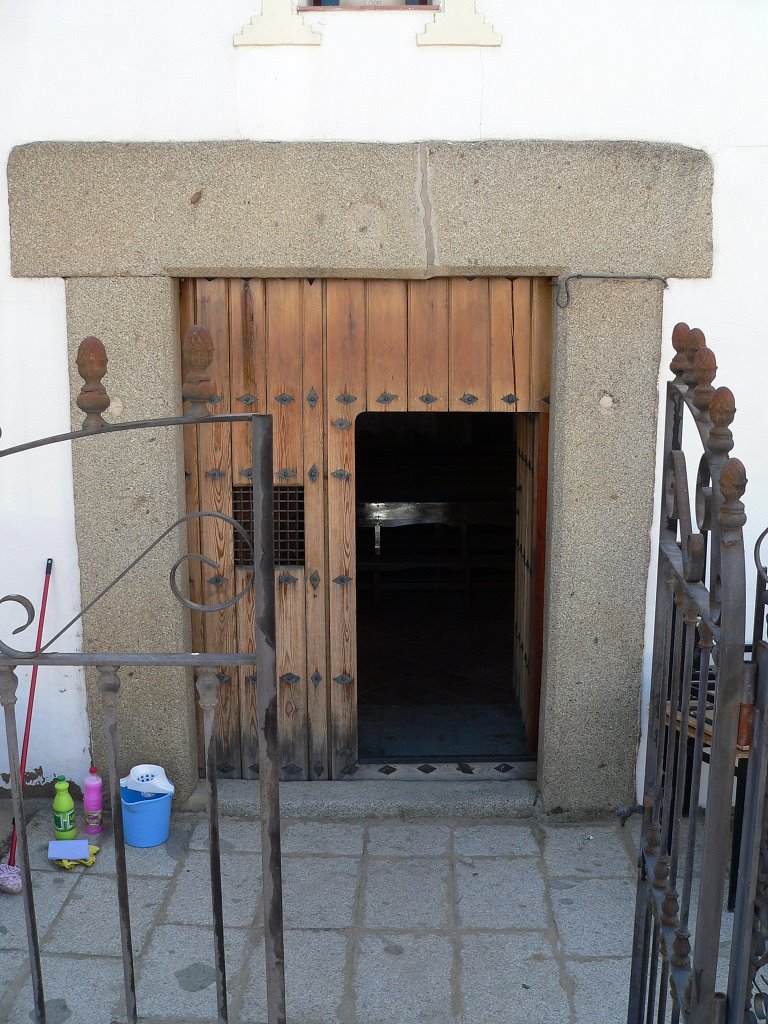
704 371
196 359
680 334
722 410
694 341
93 398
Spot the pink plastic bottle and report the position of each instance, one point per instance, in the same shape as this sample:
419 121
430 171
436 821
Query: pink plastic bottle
93 803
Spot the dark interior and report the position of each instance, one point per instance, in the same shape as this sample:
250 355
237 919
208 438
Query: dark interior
435 587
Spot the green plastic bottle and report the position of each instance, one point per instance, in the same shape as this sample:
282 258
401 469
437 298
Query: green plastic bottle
63 810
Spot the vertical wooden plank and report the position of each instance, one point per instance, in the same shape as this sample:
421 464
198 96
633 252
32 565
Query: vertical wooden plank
247 362
387 346
285 403
316 576
187 313
291 671
428 345
541 343
521 314
245 615
345 375
215 488
468 344
503 397
247 328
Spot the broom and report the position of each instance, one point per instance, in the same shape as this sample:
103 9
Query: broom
10 875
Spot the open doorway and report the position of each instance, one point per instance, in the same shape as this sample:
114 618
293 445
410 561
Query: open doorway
436 510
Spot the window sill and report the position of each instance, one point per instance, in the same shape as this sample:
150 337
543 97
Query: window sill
429 8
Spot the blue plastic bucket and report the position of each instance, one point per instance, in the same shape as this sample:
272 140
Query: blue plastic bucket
146 819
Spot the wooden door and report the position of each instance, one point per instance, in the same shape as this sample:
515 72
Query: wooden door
315 354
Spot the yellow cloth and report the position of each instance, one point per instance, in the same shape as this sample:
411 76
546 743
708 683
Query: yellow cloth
69 864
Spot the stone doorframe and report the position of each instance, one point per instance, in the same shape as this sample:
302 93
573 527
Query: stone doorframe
121 222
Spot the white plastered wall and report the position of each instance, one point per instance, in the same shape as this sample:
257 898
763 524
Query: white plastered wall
662 70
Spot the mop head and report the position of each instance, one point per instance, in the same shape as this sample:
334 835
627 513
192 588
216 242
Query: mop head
10 879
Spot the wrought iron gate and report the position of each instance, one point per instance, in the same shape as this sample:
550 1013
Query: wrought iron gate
708 689
197 392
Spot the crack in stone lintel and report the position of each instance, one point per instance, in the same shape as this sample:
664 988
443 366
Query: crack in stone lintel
425 204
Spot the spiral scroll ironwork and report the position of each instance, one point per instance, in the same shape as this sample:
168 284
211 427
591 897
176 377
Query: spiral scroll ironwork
29 607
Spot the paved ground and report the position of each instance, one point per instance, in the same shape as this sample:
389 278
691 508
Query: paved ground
388 922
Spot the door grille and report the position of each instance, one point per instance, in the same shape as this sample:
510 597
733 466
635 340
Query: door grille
288 525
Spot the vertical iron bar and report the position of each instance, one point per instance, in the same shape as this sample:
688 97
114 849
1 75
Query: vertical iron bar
208 691
109 688
640 945
749 861
705 643
652 972
728 692
266 709
8 686
689 636
664 789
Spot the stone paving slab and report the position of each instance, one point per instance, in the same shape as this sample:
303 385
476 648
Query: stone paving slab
404 979
407 894
190 901
526 987
89 922
600 990
177 977
595 917
318 893
315 978
592 851
78 990
408 840
495 841
51 892
500 893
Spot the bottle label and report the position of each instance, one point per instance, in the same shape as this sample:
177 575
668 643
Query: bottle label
93 819
63 821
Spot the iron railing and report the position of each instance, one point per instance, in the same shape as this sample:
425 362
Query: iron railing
706 687
197 390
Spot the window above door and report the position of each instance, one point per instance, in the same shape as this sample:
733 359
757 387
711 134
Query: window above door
368 5
451 22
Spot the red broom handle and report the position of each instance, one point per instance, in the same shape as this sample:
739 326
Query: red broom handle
31 701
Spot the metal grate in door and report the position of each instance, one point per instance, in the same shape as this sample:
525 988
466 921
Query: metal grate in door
288 525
